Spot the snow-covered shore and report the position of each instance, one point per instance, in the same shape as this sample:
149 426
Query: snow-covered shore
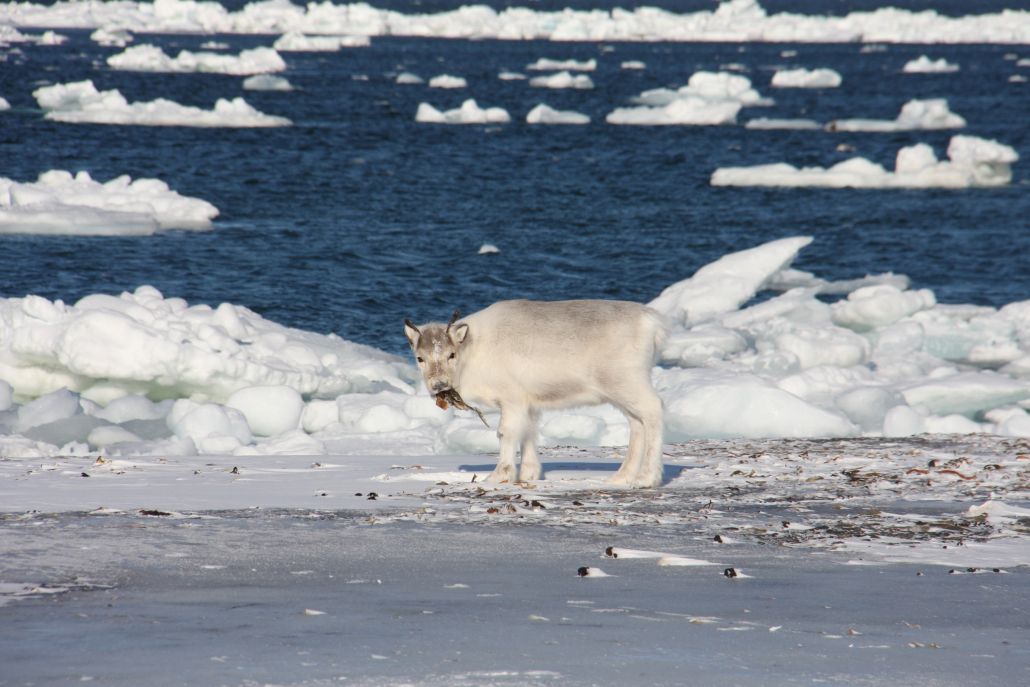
732 21
141 374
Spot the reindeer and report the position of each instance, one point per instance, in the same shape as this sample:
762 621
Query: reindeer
522 357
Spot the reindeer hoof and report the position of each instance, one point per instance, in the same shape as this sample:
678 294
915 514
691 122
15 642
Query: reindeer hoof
500 476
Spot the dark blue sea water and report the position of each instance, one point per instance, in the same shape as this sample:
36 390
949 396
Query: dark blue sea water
357 216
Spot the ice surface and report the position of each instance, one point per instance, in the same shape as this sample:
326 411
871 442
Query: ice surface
804 78
447 81
80 102
150 58
915 114
266 82
58 203
295 41
924 65
468 113
545 64
974 162
542 114
562 80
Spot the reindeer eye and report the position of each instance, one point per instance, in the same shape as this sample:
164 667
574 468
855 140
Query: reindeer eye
452 357
420 360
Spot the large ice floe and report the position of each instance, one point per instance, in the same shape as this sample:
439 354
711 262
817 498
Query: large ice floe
542 114
924 65
139 373
295 41
468 113
709 98
804 78
150 58
58 203
562 80
915 114
81 103
732 21
973 162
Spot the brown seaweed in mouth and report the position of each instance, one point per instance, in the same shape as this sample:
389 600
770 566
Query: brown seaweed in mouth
444 399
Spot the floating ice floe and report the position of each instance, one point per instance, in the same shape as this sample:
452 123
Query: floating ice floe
733 21
81 103
511 76
51 38
295 41
150 58
713 86
689 111
112 37
59 203
915 114
409 78
973 162
267 82
468 113
633 64
803 78
544 64
542 114
214 45
562 80
767 123
447 81
924 65
4 105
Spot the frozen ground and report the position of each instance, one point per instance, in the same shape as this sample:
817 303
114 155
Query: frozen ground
279 573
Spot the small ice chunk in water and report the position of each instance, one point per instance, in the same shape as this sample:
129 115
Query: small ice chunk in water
267 82
468 113
487 248
562 80
511 76
409 78
924 65
542 114
447 81
803 78
545 64
633 64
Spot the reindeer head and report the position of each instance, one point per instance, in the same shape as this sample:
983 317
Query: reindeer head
436 348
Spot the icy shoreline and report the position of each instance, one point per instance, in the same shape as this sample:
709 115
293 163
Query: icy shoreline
732 21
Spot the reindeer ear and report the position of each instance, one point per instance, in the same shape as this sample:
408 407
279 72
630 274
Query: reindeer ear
412 332
459 333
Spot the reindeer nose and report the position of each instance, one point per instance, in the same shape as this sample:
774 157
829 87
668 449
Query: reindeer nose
440 386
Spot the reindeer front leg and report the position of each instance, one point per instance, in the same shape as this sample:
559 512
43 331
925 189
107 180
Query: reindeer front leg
510 431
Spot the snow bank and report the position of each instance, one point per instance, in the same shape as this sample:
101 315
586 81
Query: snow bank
915 114
81 103
542 114
732 21
974 162
447 81
266 82
545 64
468 113
803 78
150 58
106 347
924 65
562 80
58 203
295 41
142 374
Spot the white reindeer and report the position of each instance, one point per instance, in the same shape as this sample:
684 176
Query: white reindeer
525 356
